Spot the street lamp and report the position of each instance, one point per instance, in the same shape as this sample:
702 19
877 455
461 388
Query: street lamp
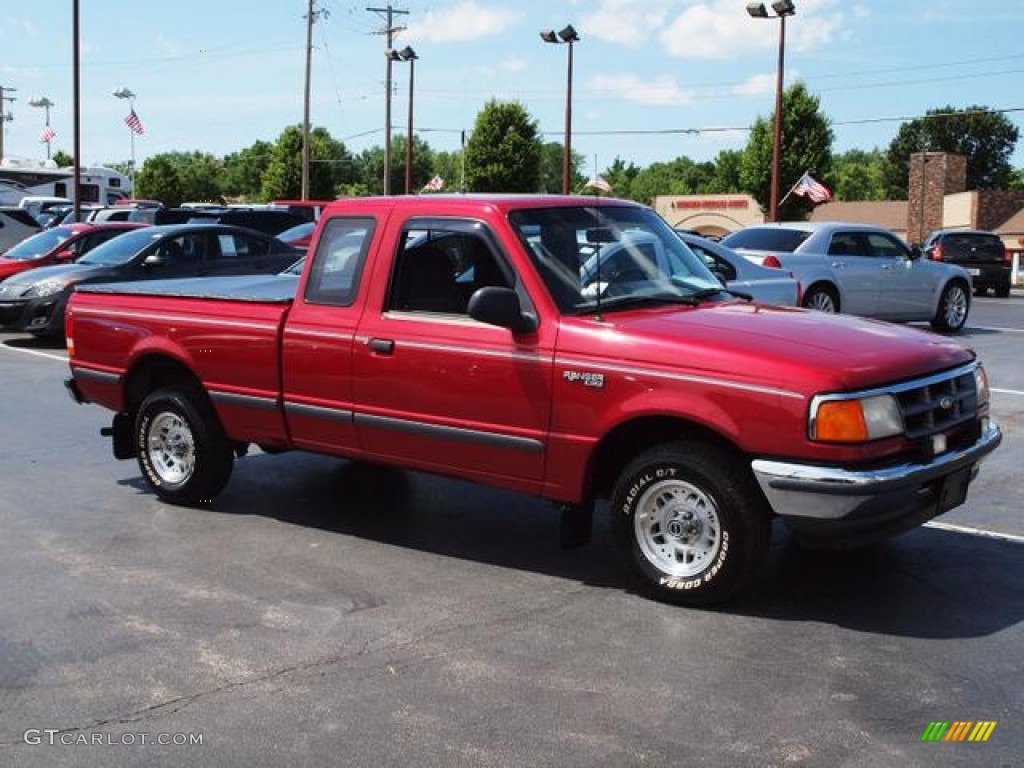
782 8
44 103
567 35
407 54
124 93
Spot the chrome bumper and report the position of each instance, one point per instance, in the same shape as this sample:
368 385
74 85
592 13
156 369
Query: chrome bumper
812 493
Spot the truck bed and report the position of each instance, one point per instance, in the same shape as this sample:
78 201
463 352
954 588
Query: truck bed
269 289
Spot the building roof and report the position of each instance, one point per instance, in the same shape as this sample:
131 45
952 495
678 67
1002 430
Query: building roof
891 214
1013 225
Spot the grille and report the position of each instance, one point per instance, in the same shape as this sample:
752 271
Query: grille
938 406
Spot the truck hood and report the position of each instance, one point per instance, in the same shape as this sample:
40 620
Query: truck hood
794 349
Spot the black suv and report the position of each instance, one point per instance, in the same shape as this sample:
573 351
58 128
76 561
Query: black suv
980 253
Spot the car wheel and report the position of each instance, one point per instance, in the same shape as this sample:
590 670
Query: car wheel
182 450
954 304
1003 291
821 298
690 521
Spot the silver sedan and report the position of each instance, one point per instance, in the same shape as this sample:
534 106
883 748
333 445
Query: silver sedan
861 270
765 284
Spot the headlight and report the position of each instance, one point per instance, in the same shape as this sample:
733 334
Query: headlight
48 287
981 385
855 420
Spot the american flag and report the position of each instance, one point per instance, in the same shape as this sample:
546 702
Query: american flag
813 190
47 135
133 122
436 184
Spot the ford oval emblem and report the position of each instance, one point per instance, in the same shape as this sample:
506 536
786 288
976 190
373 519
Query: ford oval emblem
946 403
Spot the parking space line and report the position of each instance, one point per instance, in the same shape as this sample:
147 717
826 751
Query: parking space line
1007 391
992 329
37 353
953 528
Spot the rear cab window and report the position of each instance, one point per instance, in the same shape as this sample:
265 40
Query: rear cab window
338 261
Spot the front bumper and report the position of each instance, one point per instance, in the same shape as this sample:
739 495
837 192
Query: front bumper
37 314
843 503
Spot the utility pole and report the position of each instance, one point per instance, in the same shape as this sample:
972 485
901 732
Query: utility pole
311 17
4 117
390 29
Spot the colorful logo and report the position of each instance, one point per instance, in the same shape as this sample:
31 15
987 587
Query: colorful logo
959 730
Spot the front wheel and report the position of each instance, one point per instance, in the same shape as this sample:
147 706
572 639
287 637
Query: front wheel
691 522
181 447
822 299
954 305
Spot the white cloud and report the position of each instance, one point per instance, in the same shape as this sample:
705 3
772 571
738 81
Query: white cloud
758 85
514 64
627 22
468 20
720 29
662 90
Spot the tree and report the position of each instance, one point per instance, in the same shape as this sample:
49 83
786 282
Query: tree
503 153
860 175
448 165
806 147
552 154
62 159
243 172
159 180
330 165
726 177
620 176
986 138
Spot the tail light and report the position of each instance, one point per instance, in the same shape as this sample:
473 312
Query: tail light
935 254
69 332
771 260
1007 256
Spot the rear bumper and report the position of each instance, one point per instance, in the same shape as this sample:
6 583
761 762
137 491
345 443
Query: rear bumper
844 503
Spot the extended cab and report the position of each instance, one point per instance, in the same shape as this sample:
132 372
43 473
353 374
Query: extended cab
462 335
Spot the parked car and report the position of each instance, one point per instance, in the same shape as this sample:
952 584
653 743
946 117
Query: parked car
982 254
15 225
65 243
35 301
299 235
860 270
766 284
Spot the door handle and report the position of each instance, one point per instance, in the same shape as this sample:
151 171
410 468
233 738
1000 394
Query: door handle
382 346
838 265
886 266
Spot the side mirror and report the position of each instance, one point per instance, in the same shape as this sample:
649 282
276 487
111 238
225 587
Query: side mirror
154 260
500 306
65 255
916 253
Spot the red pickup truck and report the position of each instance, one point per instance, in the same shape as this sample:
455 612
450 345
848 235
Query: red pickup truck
461 335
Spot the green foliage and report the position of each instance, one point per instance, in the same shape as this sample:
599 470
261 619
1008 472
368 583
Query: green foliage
330 165
159 180
504 151
552 154
63 159
806 146
726 176
986 138
860 175
448 165
621 177
243 172
1017 180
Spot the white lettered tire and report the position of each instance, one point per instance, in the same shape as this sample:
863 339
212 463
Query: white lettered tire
690 520
181 447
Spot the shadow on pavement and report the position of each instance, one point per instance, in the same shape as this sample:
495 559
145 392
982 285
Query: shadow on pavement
926 584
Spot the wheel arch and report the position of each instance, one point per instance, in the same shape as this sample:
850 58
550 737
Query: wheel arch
152 371
827 284
630 438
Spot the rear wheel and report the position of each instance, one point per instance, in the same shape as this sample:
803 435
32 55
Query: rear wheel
821 298
691 522
182 450
954 304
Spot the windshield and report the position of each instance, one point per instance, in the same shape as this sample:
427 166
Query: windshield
602 257
121 249
767 239
38 245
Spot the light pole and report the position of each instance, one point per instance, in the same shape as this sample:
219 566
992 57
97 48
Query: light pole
124 93
567 35
5 117
44 103
782 8
407 54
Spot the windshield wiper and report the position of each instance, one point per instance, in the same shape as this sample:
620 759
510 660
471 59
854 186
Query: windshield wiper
707 293
636 302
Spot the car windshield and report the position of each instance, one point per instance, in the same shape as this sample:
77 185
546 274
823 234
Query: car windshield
604 257
121 249
300 230
767 239
38 245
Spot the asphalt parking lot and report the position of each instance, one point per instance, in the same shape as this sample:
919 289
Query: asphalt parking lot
325 613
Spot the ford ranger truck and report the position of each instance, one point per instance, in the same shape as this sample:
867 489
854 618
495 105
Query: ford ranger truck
459 336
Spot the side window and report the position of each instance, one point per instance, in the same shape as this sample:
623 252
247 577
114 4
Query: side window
338 261
885 246
438 269
845 244
185 249
713 262
234 246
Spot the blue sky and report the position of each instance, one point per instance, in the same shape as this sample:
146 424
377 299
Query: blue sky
217 75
